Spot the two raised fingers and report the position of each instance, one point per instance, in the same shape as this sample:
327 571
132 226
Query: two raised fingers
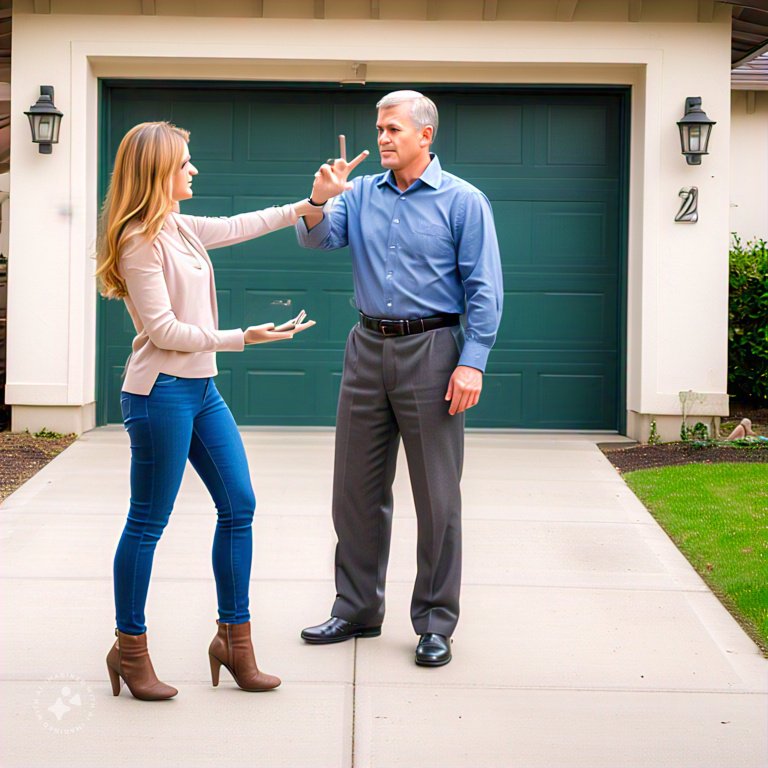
357 160
343 170
348 166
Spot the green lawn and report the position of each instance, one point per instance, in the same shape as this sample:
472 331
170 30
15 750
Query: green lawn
717 515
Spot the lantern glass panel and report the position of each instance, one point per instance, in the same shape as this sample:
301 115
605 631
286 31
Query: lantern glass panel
694 138
56 126
33 125
45 128
705 131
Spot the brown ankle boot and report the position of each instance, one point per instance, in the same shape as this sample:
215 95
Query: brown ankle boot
232 647
130 660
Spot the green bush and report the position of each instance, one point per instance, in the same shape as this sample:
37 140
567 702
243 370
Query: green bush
748 320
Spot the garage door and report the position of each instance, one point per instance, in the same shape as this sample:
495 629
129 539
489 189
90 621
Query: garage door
552 164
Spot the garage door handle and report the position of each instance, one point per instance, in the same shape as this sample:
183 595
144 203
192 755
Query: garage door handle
282 303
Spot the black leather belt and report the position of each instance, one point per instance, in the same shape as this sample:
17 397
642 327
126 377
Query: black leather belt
387 327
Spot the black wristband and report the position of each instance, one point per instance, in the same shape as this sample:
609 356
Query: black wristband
312 202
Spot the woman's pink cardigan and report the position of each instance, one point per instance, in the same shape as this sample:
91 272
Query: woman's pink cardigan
172 295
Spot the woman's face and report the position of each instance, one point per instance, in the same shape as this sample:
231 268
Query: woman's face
181 186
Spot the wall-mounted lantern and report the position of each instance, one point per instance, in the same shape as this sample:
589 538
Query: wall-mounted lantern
695 128
45 120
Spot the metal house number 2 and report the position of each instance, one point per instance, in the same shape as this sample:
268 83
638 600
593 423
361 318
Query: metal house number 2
689 208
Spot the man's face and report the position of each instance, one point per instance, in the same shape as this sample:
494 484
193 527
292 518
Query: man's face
400 141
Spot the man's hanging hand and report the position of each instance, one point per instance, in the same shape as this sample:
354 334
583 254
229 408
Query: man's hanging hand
464 389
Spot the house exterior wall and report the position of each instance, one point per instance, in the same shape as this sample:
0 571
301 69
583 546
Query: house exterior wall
677 273
749 164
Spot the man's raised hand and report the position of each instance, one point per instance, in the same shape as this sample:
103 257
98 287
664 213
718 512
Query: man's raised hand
332 177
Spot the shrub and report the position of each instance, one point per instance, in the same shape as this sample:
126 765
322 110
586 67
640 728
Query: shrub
699 432
748 320
47 434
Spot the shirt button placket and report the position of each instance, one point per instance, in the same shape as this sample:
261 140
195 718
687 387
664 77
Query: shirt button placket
389 267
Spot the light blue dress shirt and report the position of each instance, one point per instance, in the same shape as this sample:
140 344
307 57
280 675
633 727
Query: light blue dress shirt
427 251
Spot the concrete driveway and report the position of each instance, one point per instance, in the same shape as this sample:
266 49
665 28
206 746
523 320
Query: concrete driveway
586 639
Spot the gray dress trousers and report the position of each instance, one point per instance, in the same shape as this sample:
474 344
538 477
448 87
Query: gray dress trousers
393 387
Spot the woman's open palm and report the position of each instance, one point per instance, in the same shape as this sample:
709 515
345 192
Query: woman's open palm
262 334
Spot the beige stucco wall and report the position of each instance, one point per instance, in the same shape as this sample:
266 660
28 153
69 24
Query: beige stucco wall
749 164
677 281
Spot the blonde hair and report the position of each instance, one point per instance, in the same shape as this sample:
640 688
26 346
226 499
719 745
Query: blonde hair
139 193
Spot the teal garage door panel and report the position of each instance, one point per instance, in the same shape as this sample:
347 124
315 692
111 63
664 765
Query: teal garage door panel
551 164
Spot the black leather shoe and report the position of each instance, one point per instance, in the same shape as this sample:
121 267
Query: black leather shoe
433 650
337 630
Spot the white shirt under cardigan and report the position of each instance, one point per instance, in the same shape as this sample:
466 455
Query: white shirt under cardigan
172 294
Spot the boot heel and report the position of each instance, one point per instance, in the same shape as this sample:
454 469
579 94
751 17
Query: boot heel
114 678
215 669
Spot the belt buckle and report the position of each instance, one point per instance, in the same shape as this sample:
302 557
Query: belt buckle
394 324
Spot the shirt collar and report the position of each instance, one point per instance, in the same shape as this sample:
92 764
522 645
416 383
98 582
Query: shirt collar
433 175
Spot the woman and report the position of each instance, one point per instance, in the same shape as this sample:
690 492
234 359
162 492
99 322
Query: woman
155 259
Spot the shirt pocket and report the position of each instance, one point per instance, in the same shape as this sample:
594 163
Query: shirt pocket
434 239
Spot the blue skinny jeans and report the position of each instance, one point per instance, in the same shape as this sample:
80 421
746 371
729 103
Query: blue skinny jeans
183 419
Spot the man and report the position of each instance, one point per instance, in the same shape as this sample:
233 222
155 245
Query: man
424 252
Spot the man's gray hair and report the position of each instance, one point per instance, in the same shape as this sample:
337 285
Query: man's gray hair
423 109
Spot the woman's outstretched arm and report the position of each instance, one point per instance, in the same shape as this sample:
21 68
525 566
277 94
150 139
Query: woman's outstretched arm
217 232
